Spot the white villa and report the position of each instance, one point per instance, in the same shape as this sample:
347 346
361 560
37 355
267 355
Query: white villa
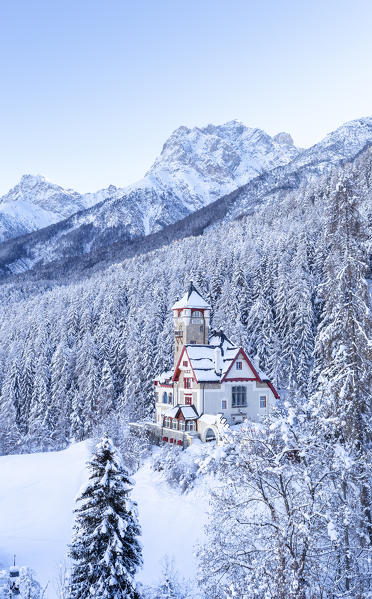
213 381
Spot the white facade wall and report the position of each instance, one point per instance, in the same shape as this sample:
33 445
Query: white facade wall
214 398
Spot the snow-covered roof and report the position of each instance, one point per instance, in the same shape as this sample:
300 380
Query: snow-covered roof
191 299
165 377
211 362
188 412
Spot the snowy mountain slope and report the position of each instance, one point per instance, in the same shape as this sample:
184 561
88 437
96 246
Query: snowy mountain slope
195 167
35 203
114 228
37 498
343 144
203 164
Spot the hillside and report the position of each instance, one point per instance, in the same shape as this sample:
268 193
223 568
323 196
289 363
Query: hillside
38 496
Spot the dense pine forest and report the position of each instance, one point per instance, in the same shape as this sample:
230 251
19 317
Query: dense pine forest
72 352
289 282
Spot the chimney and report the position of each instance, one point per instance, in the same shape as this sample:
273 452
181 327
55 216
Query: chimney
217 360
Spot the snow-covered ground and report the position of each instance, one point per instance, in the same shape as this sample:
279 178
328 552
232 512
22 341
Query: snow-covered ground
172 523
37 497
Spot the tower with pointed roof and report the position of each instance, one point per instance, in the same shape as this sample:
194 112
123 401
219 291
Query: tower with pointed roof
191 315
213 383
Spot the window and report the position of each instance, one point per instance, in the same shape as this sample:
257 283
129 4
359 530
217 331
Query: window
165 397
170 398
181 425
239 366
239 397
175 424
224 404
197 314
193 342
201 328
187 383
167 422
263 401
188 400
190 425
185 363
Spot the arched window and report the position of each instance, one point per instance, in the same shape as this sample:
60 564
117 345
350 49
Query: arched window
209 435
175 424
181 425
190 425
197 314
165 397
167 422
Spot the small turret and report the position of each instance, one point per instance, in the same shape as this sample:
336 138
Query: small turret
191 320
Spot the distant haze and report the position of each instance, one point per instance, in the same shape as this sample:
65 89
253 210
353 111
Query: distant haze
91 90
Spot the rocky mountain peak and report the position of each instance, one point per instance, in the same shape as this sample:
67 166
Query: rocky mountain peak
283 138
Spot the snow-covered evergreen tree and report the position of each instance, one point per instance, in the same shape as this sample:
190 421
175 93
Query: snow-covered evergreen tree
343 383
105 549
29 587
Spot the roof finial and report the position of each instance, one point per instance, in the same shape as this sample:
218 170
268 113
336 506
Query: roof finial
191 288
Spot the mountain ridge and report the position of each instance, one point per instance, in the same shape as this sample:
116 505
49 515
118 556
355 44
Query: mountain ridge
109 231
194 167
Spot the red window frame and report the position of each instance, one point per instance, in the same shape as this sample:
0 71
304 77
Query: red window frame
185 363
187 382
264 402
188 400
239 365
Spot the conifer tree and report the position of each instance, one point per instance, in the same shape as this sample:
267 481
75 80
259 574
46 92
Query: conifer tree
105 549
343 373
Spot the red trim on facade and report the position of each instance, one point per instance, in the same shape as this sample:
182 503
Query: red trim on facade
271 386
178 366
241 351
156 383
239 379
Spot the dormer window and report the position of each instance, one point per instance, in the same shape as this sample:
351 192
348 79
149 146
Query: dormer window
239 366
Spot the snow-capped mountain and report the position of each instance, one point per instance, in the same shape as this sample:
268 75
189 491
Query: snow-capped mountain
213 161
343 144
35 203
195 167
202 164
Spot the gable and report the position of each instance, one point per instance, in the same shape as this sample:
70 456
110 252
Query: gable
181 371
246 372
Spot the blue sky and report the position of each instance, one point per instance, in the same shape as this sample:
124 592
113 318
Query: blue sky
90 90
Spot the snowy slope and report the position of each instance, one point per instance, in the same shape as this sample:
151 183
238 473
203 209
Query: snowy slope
37 498
36 501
